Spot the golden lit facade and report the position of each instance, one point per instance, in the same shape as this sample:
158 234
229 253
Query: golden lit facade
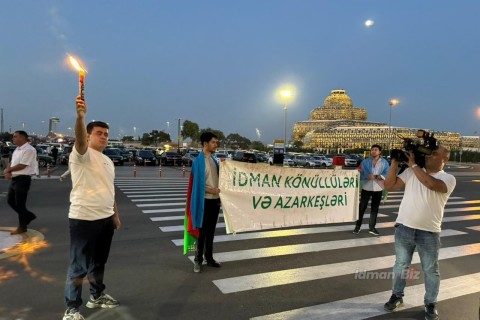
338 125
471 143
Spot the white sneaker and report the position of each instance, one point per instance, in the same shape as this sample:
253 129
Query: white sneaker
104 301
72 314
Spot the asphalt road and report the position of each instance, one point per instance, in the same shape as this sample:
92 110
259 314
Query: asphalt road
301 273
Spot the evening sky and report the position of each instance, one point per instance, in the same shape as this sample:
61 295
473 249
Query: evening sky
219 63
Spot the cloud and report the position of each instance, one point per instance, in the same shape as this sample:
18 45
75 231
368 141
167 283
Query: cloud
57 24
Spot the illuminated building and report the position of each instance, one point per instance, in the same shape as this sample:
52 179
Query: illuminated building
338 125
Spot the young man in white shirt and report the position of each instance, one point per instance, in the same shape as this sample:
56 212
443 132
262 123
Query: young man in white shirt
93 215
418 223
20 171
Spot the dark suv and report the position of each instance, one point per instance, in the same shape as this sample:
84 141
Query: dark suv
114 155
146 157
244 156
172 158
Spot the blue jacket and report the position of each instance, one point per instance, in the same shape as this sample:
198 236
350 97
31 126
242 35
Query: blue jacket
198 190
367 167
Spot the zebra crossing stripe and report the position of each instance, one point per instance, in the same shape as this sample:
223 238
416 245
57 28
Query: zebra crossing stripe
312 247
475 228
448 204
141 188
170 190
371 305
171 218
161 204
290 276
222 225
160 199
180 228
160 195
400 199
164 211
150 185
325 229
221 215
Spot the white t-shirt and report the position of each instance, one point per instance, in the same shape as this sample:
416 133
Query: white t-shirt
27 155
422 208
93 191
211 177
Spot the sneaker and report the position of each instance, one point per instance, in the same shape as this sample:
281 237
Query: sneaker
197 267
104 301
374 232
213 264
393 303
72 314
356 230
431 312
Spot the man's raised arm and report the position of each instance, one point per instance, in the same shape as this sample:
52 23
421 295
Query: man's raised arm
81 143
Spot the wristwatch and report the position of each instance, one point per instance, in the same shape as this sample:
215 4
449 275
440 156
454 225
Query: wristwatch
414 165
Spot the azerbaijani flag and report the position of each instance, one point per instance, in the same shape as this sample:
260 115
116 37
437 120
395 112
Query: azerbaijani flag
190 235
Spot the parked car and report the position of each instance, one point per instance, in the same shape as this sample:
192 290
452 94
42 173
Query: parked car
126 153
221 156
287 161
114 155
261 157
64 156
43 158
324 161
171 158
146 157
188 158
300 160
350 161
244 156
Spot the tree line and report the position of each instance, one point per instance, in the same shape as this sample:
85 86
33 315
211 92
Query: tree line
191 130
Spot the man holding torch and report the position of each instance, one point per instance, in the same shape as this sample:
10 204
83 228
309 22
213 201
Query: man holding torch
93 215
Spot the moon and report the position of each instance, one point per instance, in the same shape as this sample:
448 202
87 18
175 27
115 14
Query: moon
369 23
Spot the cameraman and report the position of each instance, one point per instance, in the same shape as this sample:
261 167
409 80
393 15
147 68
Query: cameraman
372 174
418 223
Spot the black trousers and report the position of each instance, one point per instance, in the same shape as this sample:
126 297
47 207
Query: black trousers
207 231
90 243
17 199
364 198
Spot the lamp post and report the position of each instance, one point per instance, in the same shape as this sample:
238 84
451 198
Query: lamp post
285 95
393 103
178 136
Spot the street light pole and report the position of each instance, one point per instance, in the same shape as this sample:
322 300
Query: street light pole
178 136
393 103
285 96
285 133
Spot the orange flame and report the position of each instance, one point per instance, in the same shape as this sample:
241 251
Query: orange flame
76 65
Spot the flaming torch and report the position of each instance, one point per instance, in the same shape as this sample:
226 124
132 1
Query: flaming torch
81 76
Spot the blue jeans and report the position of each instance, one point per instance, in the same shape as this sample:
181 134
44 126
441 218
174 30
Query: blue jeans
428 247
90 243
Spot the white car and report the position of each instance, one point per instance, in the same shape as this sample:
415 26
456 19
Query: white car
324 161
286 161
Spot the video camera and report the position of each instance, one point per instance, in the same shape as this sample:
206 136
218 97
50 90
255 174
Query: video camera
420 148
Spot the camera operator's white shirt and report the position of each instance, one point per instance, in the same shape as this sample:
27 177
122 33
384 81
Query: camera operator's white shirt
93 191
422 208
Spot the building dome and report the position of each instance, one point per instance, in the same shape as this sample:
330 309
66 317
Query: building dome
338 106
338 99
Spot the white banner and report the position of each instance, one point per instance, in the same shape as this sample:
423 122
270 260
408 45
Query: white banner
256 196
